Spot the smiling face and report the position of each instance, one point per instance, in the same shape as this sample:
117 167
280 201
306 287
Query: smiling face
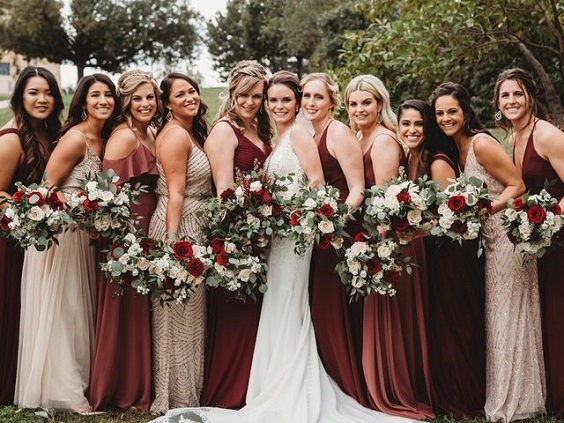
449 115
184 100
248 104
282 103
143 104
38 100
363 108
99 101
411 128
316 101
514 101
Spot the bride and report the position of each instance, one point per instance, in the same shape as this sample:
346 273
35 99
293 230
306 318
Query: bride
288 382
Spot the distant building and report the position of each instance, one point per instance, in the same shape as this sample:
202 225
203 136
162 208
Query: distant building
11 65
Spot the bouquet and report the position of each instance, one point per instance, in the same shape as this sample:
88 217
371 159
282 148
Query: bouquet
371 265
316 217
532 221
402 205
102 206
34 216
463 208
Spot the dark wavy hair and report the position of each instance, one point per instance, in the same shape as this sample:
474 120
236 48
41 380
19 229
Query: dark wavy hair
528 85
79 100
288 79
33 156
200 127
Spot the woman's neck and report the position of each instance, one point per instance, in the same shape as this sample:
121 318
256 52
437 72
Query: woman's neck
320 125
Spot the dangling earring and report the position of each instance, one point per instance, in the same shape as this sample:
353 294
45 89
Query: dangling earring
84 115
379 117
498 116
169 116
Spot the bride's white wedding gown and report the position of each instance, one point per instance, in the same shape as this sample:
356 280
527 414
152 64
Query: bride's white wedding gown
288 383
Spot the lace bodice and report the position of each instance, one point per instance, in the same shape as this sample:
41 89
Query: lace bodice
283 161
90 165
473 168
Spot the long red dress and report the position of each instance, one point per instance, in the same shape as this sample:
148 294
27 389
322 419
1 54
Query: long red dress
395 354
536 170
11 262
231 324
337 323
456 324
121 373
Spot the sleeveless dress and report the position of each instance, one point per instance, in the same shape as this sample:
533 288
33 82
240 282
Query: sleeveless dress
337 323
514 359
457 342
57 314
11 262
395 355
535 171
232 324
288 382
179 330
121 374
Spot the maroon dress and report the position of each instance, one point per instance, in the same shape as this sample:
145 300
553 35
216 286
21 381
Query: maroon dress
231 324
337 323
456 324
11 262
395 354
121 373
536 170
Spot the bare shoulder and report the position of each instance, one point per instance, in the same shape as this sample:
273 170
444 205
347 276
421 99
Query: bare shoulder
72 140
339 131
300 132
122 143
547 135
484 143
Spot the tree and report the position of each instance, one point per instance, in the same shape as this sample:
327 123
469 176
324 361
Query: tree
108 34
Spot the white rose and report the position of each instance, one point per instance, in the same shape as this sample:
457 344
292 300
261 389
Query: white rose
355 267
239 192
358 282
446 221
525 231
244 275
358 248
9 212
444 210
310 203
107 196
326 227
143 263
91 186
130 238
510 214
230 247
103 223
124 259
253 220
255 186
36 214
384 251
414 217
265 210
392 203
135 250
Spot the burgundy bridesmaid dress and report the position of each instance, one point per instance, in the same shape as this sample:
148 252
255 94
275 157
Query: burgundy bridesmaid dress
231 324
395 355
337 323
121 374
536 170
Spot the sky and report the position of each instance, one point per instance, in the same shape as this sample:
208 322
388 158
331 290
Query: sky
208 8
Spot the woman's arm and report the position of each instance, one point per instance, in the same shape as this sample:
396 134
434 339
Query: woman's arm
551 146
304 146
69 151
442 172
386 155
220 148
11 154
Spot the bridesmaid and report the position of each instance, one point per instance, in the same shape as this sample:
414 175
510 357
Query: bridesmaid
514 359
24 149
58 285
185 177
121 376
538 151
337 323
239 140
395 353
455 310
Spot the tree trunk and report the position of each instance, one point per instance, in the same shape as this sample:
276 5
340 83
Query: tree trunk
80 71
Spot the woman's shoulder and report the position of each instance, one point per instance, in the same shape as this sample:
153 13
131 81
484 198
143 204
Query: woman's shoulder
121 143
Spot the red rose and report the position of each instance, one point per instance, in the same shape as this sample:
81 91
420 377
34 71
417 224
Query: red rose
147 245
222 258
456 203
459 227
90 206
168 284
117 251
391 276
217 245
485 204
326 210
518 204
266 197
276 210
182 250
4 220
195 267
404 198
35 198
374 266
227 194
54 202
295 218
536 214
401 225
17 197
556 209
324 242
360 237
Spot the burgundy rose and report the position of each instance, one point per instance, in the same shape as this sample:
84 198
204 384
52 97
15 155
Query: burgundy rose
266 197
222 258
326 210
17 197
518 204
182 249
536 214
227 194
168 284
54 202
324 242
360 237
556 209
404 198
459 227
276 210
295 218
4 221
391 276
146 245
374 266
35 198
90 206
456 203
117 251
217 245
401 225
484 204
195 267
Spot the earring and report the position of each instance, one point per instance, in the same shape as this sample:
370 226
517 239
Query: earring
84 115
498 116
169 116
379 118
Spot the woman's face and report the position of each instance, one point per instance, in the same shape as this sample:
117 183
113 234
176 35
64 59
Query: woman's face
513 101
411 128
247 105
38 100
449 115
143 104
282 103
316 101
183 101
99 101
363 108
